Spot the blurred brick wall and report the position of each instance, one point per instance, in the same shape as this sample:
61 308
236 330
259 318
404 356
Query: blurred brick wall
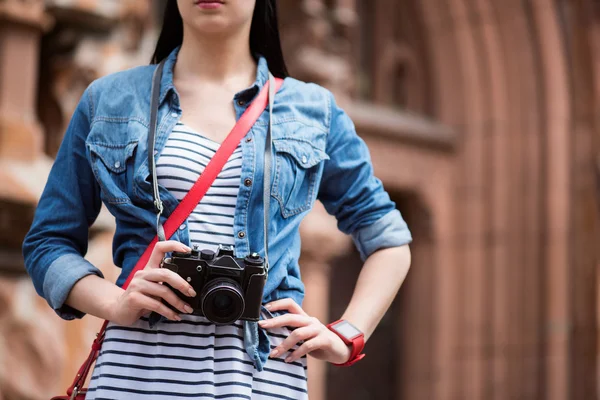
481 120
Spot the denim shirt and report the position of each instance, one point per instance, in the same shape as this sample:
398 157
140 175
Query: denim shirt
103 160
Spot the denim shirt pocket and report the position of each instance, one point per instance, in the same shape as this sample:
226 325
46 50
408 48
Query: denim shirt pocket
297 166
112 165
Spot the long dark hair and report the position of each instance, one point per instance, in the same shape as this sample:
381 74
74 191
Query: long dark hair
264 35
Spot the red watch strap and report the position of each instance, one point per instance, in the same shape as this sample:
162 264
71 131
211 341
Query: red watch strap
357 346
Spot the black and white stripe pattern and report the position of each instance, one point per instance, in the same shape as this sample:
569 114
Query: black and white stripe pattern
184 157
190 359
194 358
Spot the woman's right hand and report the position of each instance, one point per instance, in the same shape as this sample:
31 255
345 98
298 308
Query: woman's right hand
145 291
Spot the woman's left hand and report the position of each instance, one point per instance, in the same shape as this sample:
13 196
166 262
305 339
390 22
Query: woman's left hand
319 341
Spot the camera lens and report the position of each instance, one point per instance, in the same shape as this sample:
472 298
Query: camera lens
222 301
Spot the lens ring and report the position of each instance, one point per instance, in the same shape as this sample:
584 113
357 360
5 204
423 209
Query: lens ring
220 287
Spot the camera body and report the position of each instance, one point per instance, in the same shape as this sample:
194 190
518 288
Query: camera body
228 288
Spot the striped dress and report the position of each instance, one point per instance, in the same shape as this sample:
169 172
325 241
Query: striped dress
194 358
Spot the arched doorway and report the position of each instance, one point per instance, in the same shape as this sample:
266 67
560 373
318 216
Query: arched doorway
399 362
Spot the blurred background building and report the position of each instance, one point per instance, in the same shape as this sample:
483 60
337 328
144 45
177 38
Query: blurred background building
482 118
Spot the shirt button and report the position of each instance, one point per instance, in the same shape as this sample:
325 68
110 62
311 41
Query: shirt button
241 234
155 152
174 115
241 102
248 182
182 227
117 164
304 159
248 139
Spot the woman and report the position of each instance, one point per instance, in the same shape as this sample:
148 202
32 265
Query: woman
213 50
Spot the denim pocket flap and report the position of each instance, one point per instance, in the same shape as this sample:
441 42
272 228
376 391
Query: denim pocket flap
305 154
113 156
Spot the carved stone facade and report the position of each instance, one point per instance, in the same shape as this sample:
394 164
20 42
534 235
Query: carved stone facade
481 118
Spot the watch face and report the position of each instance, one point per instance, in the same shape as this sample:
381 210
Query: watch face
347 330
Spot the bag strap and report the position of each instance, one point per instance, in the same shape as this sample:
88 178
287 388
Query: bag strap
193 197
273 85
155 98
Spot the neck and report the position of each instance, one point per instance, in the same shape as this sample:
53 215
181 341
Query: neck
219 59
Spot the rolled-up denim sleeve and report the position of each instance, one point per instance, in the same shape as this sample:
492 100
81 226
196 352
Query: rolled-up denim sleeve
350 191
57 241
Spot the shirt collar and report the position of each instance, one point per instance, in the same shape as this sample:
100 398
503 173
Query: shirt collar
167 86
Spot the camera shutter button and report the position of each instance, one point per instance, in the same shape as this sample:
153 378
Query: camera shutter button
254 259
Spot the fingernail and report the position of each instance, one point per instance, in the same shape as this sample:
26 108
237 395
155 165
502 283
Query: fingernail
192 292
287 360
177 318
262 323
274 353
268 306
188 309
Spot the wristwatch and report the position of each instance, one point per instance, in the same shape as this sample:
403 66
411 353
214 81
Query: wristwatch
352 336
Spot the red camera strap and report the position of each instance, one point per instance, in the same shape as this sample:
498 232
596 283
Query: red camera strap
179 215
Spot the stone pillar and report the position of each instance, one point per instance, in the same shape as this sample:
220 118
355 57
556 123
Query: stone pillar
21 25
322 242
22 171
29 352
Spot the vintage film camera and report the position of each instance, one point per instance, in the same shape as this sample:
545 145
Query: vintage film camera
228 288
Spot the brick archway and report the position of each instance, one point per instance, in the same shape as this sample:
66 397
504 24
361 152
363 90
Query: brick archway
400 353
522 294
514 208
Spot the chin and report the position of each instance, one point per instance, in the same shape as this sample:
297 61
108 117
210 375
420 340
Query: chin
212 26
